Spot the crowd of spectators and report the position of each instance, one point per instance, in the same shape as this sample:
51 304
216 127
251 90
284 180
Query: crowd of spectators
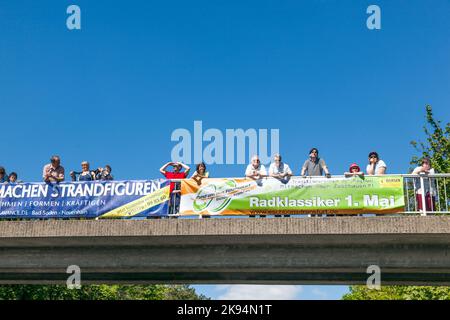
313 166
54 172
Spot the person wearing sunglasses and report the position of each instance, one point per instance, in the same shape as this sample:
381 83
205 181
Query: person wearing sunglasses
376 166
315 166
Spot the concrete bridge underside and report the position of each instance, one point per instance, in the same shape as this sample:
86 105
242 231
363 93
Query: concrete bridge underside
411 250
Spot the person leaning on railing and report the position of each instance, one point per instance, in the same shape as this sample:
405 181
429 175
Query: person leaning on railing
53 172
256 171
429 192
376 166
13 178
200 173
281 171
354 170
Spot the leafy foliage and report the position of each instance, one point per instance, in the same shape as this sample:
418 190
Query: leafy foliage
437 147
398 293
182 292
99 292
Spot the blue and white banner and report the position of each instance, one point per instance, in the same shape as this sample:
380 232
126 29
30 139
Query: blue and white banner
104 199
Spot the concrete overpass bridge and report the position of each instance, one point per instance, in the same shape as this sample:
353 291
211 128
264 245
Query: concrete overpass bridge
413 250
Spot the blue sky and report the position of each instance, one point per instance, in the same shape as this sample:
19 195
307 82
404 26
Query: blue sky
114 91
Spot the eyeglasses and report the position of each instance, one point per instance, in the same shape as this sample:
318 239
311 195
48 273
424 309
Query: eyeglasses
372 157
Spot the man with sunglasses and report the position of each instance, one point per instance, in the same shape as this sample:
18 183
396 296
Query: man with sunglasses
315 166
376 166
53 172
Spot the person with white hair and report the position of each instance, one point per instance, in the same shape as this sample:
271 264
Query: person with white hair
85 175
280 170
255 170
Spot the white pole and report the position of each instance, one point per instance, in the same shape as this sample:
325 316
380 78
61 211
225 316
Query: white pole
424 206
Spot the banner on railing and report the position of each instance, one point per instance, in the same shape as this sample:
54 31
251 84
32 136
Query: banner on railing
297 195
104 199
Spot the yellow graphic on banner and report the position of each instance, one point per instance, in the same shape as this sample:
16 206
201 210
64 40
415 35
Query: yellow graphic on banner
137 206
392 182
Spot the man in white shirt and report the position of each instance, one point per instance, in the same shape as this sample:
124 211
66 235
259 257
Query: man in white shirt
255 170
279 169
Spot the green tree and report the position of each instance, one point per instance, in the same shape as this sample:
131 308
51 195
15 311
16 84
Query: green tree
437 148
98 292
182 292
398 293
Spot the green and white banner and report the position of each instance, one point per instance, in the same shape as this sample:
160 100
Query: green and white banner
298 195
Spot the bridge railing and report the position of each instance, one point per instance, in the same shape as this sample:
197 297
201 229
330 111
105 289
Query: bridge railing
424 194
427 193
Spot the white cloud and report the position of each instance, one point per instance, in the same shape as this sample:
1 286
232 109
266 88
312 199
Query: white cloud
259 292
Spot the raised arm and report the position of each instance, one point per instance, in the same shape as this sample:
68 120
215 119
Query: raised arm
250 173
371 169
288 172
164 167
324 167
186 168
303 168
272 172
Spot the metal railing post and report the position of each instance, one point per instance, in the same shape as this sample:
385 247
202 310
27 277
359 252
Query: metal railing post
424 205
